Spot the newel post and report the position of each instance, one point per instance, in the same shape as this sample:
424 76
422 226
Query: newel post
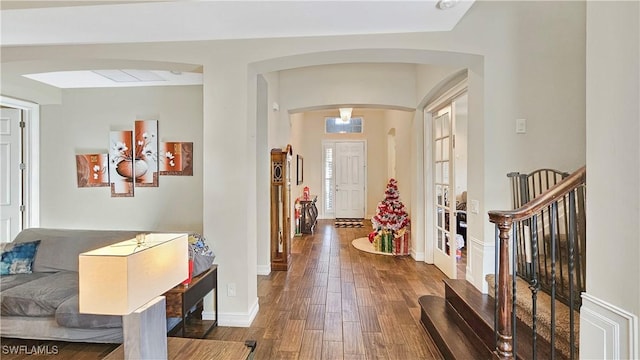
504 346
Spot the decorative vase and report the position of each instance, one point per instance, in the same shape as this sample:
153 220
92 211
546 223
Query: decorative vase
127 168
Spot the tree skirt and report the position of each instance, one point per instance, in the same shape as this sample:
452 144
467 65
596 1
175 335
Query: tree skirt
363 244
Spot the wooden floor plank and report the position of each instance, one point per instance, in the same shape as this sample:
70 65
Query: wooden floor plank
334 302
332 350
353 341
311 348
332 326
374 345
292 336
369 319
315 318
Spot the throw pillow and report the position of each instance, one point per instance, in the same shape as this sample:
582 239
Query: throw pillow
200 253
17 258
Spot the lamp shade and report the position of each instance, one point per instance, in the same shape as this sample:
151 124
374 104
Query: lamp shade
119 278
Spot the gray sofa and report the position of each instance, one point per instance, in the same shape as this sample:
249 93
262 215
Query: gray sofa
44 304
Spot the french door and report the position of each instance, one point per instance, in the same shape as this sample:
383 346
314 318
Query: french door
444 252
11 178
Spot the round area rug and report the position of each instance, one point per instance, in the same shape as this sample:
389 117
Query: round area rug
363 244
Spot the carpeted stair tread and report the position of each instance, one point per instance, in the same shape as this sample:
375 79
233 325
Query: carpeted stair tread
524 314
441 322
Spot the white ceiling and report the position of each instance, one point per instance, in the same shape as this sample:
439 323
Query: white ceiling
54 22
102 22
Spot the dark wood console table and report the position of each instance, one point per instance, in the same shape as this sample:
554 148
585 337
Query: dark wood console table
182 298
308 215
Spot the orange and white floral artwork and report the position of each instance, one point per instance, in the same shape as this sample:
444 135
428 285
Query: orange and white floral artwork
136 158
92 170
122 163
146 153
176 158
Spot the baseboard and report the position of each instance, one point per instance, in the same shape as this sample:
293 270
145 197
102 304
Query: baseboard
417 256
607 331
235 319
264 269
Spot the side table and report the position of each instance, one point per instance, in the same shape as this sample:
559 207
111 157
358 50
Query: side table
182 298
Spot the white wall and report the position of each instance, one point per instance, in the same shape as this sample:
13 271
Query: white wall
613 178
81 124
401 121
357 84
525 59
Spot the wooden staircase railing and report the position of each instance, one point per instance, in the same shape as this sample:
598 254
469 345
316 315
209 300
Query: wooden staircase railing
565 195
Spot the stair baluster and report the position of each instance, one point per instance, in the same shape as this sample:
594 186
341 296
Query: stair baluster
572 242
534 285
554 243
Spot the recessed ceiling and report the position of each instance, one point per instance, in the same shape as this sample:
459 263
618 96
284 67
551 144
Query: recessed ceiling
116 78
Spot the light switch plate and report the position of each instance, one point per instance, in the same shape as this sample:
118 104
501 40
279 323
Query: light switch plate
521 126
474 206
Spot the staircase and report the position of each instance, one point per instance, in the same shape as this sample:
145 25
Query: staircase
532 312
462 325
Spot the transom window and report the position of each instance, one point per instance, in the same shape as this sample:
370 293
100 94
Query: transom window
335 125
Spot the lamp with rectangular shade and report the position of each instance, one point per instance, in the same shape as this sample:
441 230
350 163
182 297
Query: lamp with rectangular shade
128 279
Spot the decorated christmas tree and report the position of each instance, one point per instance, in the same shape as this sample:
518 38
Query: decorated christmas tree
390 222
390 214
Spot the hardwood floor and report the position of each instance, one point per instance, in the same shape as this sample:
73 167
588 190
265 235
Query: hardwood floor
335 302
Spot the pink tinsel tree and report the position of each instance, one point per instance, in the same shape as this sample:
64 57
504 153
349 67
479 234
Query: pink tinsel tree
390 214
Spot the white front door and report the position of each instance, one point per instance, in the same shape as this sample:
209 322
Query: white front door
350 179
444 252
10 174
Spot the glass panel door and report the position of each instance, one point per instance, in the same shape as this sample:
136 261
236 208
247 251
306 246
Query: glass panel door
444 204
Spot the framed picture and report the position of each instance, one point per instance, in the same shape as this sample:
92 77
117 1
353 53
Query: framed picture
122 164
176 158
299 170
92 170
145 144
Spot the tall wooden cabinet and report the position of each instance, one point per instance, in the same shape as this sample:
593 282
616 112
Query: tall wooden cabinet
280 212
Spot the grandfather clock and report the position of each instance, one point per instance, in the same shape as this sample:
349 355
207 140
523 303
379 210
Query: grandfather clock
280 214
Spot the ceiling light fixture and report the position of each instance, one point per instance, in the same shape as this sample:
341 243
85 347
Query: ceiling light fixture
446 4
345 114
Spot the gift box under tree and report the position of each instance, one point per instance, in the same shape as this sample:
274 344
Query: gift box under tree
402 242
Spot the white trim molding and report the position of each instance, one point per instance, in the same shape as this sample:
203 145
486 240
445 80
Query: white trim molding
235 319
31 117
607 331
480 263
417 256
264 269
